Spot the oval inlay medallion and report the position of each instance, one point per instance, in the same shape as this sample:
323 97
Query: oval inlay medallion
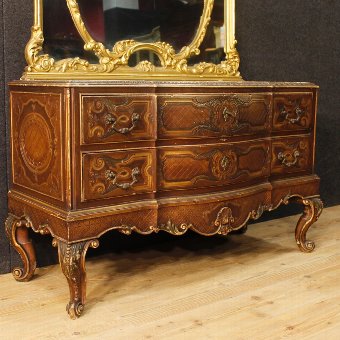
36 143
224 164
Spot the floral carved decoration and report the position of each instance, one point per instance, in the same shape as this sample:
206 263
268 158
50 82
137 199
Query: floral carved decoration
224 113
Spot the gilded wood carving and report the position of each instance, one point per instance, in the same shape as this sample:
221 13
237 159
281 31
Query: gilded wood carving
114 63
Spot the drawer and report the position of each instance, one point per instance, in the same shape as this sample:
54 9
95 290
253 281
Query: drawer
293 111
212 165
197 116
117 173
291 154
106 119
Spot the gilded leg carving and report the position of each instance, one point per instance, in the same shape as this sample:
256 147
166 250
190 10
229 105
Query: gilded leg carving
72 262
312 211
17 232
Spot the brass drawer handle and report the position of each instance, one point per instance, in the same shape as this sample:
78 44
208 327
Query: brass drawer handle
225 163
227 114
298 114
113 178
112 121
289 159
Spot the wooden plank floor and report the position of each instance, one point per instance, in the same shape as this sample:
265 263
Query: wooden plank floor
252 286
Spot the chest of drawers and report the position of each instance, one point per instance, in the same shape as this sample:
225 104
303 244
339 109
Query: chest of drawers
91 156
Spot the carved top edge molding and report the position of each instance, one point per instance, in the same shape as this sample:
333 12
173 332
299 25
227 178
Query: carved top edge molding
153 84
113 64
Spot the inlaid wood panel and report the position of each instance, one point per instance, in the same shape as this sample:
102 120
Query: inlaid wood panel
194 116
185 167
37 159
291 154
117 173
293 111
108 118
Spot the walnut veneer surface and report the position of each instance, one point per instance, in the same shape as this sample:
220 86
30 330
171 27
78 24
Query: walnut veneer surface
89 156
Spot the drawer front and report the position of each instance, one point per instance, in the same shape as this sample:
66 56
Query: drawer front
293 111
212 165
108 119
291 154
118 173
196 116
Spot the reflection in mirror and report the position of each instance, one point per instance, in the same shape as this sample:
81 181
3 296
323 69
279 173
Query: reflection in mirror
147 21
144 55
61 38
212 47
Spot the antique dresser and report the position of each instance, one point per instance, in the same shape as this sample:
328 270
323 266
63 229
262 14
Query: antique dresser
144 148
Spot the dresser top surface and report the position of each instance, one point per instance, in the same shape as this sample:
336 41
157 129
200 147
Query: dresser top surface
160 84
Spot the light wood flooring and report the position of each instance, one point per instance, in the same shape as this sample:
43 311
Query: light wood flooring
252 286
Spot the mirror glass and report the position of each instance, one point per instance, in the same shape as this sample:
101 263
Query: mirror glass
212 47
61 38
147 21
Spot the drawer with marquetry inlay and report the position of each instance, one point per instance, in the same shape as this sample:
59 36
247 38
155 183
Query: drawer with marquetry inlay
293 112
214 115
292 155
110 118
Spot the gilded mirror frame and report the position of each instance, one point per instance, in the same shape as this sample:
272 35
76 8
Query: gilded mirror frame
113 64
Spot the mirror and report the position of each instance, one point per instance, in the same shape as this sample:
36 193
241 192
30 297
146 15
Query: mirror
157 39
61 38
173 21
212 46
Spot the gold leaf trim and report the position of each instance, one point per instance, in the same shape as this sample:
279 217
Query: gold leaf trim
114 62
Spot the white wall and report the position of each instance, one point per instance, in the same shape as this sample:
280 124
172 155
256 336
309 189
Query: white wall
131 4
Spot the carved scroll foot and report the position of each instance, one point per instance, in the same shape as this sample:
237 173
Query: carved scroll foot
72 262
17 232
312 211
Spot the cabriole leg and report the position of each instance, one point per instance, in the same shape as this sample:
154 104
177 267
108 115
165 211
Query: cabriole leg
72 262
312 211
17 232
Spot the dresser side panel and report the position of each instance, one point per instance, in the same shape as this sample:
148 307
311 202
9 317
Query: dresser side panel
38 143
